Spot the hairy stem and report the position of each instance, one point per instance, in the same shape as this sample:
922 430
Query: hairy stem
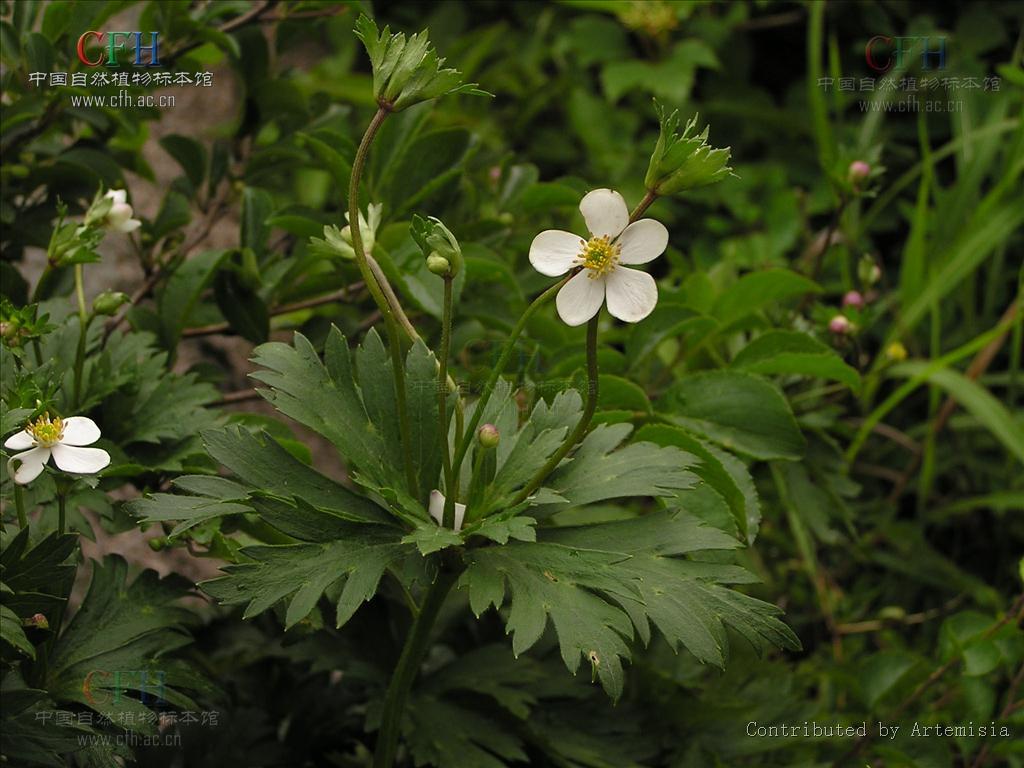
492 380
416 645
442 398
643 205
83 332
581 426
375 289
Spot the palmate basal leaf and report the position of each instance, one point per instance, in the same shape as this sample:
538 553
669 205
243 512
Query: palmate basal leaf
301 573
359 418
598 582
122 639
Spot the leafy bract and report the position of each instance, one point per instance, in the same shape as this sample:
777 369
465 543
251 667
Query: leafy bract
599 469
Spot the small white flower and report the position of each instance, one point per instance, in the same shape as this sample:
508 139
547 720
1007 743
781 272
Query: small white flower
119 217
632 294
437 501
61 438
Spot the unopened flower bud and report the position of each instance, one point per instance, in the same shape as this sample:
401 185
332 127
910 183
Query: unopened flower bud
896 352
868 272
108 302
37 620
840 325
853 299
158 544
438 264
488 436
858 172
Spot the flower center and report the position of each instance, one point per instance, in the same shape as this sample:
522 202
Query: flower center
599 256
46 432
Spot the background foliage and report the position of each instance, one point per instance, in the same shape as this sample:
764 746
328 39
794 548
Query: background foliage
875 474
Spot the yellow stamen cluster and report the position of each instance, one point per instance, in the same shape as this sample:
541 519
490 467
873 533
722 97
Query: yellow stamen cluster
599 256
46 432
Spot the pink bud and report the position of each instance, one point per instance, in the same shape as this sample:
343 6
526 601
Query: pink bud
839 325
494 172
859 170
853 299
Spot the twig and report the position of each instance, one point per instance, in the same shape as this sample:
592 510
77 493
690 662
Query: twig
978 366
1011 705
285 309
231 25
241 396
209 220
1016 613
898 437
874 625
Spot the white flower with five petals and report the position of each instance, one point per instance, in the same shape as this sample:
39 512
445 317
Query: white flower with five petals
61 438
614 242
437 501
119 217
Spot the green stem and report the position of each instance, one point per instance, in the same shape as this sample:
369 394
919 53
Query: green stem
492 380
379 297
19 503
442 398
416 645
643 205
404 433
84 320
581 425
62 515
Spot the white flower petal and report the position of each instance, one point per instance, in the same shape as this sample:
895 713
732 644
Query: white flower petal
580 298
80 430
32 463
119 196
643 241
605 212
19 441
554 251
129 226
436 509
632 294
81 461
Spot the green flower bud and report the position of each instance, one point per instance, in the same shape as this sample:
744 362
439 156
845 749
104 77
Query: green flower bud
157 544
438 264
108 302
407 71
337 243
488 436
687 161
435 239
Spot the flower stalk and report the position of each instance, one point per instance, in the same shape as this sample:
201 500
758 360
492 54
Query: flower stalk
376 291
581 426
442 401
496 371
84 320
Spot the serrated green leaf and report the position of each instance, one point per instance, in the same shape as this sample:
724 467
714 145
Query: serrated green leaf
302 572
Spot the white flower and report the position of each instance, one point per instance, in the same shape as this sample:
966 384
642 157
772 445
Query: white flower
437 501
119 217
61 438
632 294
